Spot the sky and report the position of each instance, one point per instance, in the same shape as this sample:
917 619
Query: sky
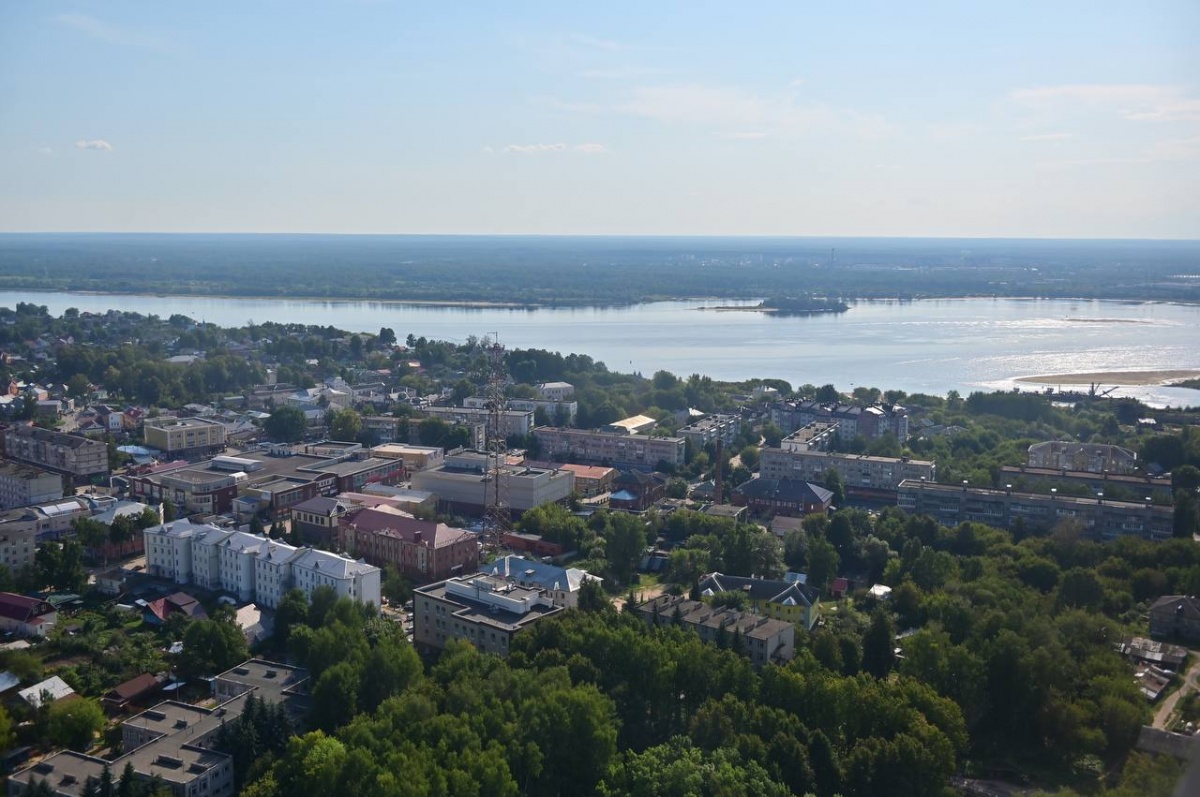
1052 118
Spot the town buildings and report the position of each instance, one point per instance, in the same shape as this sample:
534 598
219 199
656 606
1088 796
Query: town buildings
816 436
711 428
590 480
488 611
252 567
173 741
616 448
184 437
512 422
853 420
271 482
560 584
1098 518
415 458
464 483
421 550
1090 457
789 497
22 485
763 639
1113 485
18 544
315 521
68 454
25 616
1176 616
789 601
858 471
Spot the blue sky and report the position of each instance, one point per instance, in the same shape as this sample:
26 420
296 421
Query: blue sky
1032 119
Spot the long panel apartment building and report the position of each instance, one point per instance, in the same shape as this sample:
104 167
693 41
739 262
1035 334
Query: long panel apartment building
858 471
512 422
24 485
252 567
609 448
69 454
853 420
1099 518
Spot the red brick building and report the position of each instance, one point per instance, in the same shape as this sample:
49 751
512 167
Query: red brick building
422 550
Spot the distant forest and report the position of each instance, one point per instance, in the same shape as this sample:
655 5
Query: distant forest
549 271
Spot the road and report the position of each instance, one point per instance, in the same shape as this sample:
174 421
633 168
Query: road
1189 684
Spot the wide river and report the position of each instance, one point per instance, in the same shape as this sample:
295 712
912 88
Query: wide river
929 346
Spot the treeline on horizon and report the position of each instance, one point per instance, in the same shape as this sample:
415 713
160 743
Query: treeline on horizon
545 271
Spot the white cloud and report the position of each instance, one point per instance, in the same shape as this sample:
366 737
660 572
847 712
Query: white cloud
534 149
733 112
113 34
624 72
598 44
588 148
1133 101
93 143
45 151
1049 137
742 135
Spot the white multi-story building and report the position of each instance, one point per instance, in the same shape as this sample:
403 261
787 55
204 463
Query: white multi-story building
238 552
856 470
206 557
352 579
273 572
169 549
556 391
23 485
252 567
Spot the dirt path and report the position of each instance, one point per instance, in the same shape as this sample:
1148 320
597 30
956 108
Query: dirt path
645 595
1189 683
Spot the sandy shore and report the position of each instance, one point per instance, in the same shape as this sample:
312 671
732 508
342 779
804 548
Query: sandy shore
1113 378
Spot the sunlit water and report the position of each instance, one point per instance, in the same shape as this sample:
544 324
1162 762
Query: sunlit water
929 346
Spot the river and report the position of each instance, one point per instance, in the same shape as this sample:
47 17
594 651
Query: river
928 346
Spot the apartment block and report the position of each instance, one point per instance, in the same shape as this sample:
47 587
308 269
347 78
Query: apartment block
23 485
707 430
488 611
512 422
1099 518
252 567
854 420
815 436
72 455
1090 457
609 448
764 640
184 437
856 470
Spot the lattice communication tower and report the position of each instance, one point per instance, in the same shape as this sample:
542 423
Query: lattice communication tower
497 514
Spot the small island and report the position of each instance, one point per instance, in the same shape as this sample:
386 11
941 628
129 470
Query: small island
791 306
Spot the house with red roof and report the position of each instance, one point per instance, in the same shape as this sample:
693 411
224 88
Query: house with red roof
422 550
26 616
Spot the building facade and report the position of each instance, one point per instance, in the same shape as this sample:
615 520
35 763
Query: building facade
853 420
764 640
184 437
1099 519
421 550
725 428
68 454
609 448
1090 457
23 485
464 481
485 610
856 470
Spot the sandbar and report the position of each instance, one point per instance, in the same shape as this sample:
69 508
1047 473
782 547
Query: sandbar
1164 377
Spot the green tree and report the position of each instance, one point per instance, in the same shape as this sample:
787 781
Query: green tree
592 597
286 424
75 723
823 562
212 646
879 645
345 425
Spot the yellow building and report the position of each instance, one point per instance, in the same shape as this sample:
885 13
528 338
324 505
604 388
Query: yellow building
789 601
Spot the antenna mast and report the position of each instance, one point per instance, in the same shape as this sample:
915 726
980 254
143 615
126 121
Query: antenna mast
497 517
